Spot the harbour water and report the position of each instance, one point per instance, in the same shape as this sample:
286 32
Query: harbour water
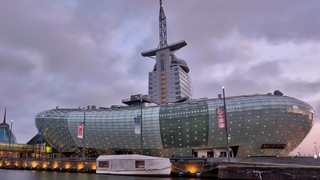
53 175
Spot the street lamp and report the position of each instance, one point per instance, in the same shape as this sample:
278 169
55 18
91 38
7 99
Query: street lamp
10 134
226 124
141 140
83 136
315 149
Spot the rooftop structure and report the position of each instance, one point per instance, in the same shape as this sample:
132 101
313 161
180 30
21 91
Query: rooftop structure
137 100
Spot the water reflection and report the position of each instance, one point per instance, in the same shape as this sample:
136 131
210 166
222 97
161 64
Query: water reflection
47 175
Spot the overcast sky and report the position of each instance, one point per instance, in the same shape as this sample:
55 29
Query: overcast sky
78 53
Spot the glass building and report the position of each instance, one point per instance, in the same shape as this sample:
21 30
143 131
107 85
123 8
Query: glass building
6 134
258 125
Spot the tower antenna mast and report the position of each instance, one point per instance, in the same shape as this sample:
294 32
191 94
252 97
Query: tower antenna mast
5 115
162 28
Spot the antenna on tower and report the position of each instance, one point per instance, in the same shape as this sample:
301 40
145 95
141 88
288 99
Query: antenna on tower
162 28
163 37
5 115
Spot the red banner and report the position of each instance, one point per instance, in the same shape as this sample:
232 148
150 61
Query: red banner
80 130
137 125
220 117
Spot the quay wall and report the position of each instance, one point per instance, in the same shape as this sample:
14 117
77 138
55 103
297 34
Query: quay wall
253 171
52 164
247 168
237 168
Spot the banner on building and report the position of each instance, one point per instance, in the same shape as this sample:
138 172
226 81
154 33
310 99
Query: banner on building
220 117
80 130
137 125
39 138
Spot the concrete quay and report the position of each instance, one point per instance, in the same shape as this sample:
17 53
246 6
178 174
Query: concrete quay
247 168
217 168
50 164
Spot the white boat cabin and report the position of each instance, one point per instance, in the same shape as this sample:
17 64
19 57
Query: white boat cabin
133 164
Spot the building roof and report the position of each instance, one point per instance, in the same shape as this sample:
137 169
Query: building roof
173 47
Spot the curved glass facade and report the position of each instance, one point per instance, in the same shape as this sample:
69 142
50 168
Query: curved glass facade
6 135
258 125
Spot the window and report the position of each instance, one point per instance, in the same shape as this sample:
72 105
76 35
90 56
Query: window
103 164
139 164
273 146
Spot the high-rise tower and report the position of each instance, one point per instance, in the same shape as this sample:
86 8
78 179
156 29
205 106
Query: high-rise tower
169 81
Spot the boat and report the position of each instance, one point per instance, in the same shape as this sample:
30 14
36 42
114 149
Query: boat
133 164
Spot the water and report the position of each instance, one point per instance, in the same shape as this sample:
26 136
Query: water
48 175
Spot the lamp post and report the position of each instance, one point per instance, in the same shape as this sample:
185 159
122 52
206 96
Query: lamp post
226 124
10 134
141 140
83 136
315 149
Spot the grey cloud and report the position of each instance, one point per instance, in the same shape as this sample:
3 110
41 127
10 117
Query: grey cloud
214 21
269 70
14 64
302 88
274 20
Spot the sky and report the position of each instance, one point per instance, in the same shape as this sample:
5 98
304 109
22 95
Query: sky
77 53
